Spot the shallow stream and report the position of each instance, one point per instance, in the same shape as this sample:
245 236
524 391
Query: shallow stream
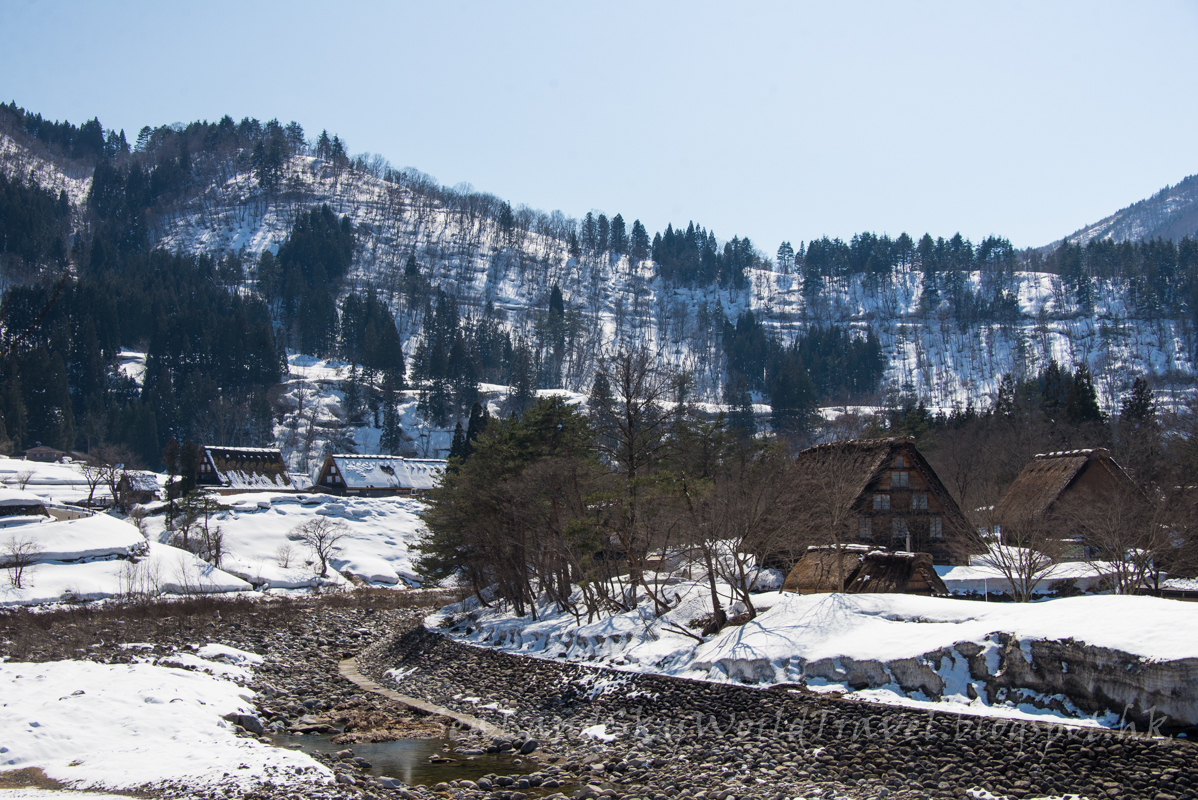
408 759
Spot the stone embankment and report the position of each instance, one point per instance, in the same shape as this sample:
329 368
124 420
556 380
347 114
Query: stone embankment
661 738
673 738
1042 673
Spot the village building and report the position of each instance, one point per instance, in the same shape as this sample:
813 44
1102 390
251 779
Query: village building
888 497
864 569
137 486
50 455
1053 487
1052 480
232 470
378 475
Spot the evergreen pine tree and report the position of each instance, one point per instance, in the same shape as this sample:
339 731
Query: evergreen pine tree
457 448
1081 404
391 436
480 418
602 235
638 244
1140 405
619 236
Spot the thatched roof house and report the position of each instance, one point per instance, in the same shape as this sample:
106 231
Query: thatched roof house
230 470
1051 480
886 496
865 570
379 475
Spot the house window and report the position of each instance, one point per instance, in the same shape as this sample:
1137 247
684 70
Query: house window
919 502
898 479
936 528
865 529
881 502
898 462
899 531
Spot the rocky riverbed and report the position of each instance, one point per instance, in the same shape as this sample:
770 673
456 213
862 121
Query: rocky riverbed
675 738
590 733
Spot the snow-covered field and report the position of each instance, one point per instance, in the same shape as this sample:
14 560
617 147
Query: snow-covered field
124 726
161 570
793 632
378 546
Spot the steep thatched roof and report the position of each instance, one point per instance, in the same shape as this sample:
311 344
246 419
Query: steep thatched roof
859 460
1048 475
862 461
866 570
248 468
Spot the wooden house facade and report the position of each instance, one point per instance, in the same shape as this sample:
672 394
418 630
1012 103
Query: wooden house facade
894 499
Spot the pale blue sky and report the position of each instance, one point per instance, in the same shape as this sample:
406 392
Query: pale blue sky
772 120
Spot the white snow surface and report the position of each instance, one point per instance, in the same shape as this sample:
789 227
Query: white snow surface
62 483
162 570
91 537
378 547
122 726
792 630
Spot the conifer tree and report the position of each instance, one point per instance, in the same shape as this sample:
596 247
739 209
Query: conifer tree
619 236
391 436
638 245
602 235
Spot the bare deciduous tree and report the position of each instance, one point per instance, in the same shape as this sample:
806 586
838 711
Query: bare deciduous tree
1124 534
826 487
633 421
1025 550
18 554
322 536
93 474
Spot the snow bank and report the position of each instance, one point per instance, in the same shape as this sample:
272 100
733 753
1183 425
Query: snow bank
92 537
980 580
124 726
163 570
63 483
828 640
885 627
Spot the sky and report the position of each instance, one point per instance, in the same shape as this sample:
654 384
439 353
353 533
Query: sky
768 120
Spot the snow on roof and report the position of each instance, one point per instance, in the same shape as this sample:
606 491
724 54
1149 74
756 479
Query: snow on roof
17 497
248 468
142 481
377 471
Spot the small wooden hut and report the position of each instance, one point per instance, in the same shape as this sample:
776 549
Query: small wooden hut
865 570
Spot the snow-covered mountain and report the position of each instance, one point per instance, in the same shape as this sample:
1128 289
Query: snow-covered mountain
461 247
1171 213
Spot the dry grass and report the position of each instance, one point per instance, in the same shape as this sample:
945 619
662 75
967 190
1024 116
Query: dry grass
76 631
33 635
386 599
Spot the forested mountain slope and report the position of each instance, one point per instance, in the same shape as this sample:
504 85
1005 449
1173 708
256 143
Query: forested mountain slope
1002 312
185 243
1171 213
